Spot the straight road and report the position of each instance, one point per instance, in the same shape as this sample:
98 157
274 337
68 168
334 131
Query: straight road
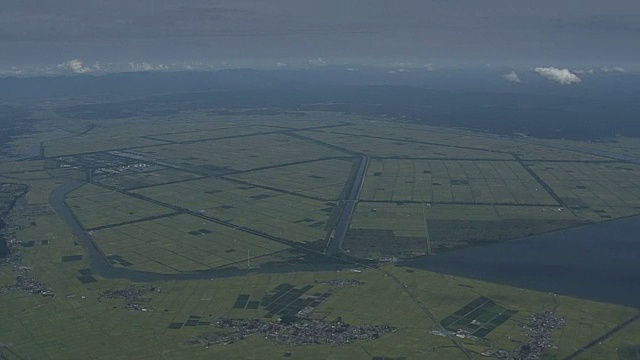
334 246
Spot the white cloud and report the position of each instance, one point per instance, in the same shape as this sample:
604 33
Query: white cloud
613 69
317 62
351 69
512 76
12 71
281 64
583 71
145 66
399 71
563 76
189 66
76 66
429 67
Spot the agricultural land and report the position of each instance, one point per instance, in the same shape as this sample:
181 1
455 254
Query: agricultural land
283 235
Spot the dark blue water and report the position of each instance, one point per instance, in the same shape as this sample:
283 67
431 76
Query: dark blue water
4 250
599 262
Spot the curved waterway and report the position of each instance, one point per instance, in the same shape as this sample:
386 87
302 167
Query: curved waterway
599 262
101 266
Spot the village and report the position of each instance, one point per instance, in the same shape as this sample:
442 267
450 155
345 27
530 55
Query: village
539 330
340 282
299 332
25 281
128 293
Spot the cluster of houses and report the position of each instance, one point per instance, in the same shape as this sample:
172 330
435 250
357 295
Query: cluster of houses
25 281
341 282
129 293
299 332
539 330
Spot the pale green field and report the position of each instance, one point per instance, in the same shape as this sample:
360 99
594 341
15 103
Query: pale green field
238 153
453 181
97 206
622 145
399 148
598 191
321 179
11 167
129 181
92 143
279 214
465 138
213 131
166 245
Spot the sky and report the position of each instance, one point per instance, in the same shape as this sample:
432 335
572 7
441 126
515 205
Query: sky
83 36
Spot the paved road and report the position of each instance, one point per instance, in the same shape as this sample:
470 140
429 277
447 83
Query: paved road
334 246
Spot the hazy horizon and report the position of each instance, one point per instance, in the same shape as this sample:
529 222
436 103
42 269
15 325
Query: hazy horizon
84 37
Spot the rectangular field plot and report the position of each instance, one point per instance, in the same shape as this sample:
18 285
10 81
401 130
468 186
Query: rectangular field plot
235 154
376 243
629 146
463 138
97 207
213 131
285 301
180 243
598 191
399 148
139 131
144 179
288 216
478 318
453 181
92 142
321 179
401 228
278 119
629 352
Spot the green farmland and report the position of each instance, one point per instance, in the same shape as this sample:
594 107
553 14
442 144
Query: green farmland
231 216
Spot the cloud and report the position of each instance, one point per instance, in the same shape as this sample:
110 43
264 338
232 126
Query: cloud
563 76
351 69
613 69
583 71
145 66
281 64
399 71
429 67
512 76
12 71
76 66
317 62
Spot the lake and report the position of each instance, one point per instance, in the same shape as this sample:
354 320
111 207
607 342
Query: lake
599 262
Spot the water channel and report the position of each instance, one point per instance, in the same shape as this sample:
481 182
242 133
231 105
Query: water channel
598 262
